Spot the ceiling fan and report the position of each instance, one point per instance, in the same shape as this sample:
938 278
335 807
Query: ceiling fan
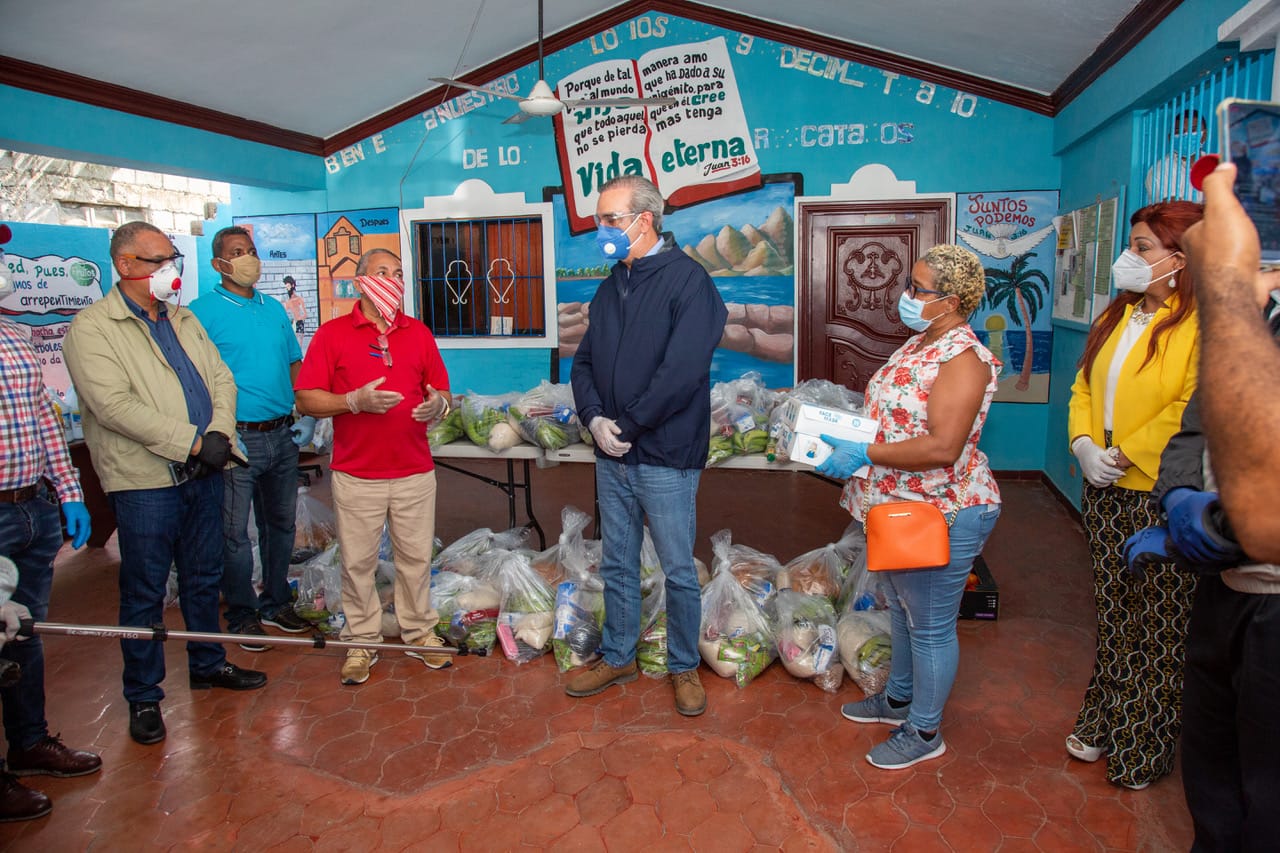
541 101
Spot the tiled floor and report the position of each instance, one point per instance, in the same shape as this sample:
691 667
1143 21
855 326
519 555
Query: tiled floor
491 756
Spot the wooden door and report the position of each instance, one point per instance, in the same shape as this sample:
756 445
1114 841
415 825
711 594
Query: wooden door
855 259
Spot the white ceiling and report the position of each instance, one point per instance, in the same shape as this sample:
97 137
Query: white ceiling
319 67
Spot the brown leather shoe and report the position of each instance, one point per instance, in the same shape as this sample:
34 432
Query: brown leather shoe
691 699
591 681
50 757
18 802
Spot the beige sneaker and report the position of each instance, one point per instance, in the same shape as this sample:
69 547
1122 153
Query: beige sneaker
691 699
591 681
355 669
436 661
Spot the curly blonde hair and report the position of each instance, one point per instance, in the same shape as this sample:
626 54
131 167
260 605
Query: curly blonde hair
957 272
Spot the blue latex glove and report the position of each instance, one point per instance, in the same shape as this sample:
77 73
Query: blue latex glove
1193 526
303 429
77 518
1146 548
847 457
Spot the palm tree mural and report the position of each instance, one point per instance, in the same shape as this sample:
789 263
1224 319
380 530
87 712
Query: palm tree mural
1025 289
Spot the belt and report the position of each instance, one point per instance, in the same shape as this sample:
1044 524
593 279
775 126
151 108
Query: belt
265 426
16 496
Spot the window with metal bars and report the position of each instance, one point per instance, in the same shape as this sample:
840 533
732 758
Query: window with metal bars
1173 135
480 277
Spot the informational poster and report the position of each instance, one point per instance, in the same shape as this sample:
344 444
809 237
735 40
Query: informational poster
57 270
287 247
1013 234
697 149
1082 277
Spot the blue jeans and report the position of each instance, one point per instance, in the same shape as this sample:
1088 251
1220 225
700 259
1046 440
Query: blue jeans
270 486
924 605
30 535
178 525
667 498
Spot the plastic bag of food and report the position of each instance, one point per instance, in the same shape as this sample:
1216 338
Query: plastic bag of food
579 616
449 428
817 572
865 643
526 616
480 414
320 591
861 589
545 416
739 417
315 528
462 556
322 437
651 650
756 571
735 639
468 609
807 638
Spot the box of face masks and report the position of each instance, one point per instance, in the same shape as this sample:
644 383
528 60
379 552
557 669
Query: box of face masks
801 424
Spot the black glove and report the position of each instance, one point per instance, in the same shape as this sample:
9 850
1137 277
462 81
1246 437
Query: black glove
215 450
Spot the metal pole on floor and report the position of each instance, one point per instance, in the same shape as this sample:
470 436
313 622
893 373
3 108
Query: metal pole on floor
30 628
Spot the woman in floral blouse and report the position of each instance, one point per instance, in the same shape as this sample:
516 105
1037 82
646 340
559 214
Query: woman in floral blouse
930 400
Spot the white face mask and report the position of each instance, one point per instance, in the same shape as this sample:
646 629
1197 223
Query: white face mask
166 283
1130 272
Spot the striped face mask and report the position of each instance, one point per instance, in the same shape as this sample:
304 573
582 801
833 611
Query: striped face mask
386 294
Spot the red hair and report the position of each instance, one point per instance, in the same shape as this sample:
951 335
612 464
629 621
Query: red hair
1168 220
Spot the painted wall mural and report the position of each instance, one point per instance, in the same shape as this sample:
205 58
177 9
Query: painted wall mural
697 149
287 248
1013 235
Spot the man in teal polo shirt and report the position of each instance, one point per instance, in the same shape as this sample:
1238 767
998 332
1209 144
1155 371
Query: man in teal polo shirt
256 340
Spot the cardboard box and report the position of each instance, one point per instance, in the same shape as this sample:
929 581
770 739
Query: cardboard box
983 602
801 424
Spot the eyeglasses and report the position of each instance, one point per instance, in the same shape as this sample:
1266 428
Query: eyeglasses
381 349
176 258
611 219
913 291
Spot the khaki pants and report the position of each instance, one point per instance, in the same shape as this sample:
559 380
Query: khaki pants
408 505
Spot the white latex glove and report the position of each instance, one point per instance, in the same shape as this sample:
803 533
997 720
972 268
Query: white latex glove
605 433
1099 465
367 398
11 613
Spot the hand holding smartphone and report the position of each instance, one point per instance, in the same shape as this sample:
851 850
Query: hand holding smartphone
1250 138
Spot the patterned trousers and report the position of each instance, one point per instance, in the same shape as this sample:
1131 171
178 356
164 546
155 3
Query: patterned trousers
1133 704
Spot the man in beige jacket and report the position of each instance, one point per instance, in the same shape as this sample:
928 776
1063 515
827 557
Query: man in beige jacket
158 406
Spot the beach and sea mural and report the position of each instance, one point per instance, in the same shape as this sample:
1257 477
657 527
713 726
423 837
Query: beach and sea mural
1014 235
745 242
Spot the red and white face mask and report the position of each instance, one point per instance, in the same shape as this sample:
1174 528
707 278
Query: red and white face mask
386 294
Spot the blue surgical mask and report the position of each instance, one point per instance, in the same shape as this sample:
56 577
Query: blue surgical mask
1186 144
613 242
910 311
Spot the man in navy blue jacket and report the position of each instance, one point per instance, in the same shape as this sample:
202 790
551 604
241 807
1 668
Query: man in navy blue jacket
641 381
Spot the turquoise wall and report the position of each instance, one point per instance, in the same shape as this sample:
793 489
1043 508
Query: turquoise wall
945 141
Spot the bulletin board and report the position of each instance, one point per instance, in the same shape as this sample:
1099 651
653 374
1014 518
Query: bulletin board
1087 238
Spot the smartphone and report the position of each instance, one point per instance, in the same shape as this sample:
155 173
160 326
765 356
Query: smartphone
1250 138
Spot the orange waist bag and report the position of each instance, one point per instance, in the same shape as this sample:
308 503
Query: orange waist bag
906 535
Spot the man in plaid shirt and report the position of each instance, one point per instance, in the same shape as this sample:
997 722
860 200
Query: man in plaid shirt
33 454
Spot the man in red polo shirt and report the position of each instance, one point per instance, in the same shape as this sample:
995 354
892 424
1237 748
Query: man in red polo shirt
379 375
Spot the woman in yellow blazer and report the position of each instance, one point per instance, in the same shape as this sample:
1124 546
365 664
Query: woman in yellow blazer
1137 373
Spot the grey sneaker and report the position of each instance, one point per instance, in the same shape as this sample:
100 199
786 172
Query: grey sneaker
875 709
904 748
